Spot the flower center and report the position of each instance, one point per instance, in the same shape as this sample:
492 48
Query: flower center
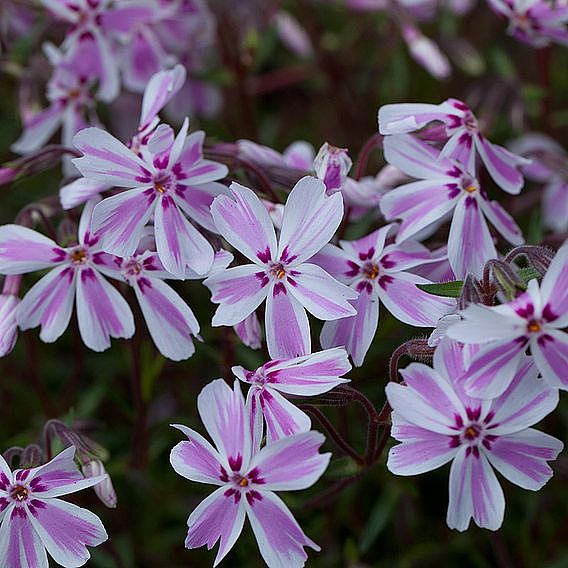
133 268
79 256
370 270
19 493
533 326
160 187
470 122
469 185
472 432
243 482
278 271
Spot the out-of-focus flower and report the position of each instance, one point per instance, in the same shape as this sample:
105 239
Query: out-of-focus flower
34 520
332 165
437 423
549 166
247 476
280 274
534 319
7 175
465 139
309 375
293 35
104 490
76 277
169 177
426 52
378 272
536 22
446 186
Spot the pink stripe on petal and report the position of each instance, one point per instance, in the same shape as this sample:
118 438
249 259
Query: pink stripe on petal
286 325
101 311
66 530
39 129
218 517
554 288
550 351
196 202
280 539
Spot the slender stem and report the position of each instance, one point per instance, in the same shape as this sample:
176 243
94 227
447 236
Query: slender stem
140 455
363 159
325 496
263 181
333 433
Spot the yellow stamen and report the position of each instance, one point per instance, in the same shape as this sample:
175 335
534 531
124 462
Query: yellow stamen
280 273
533 326
160 188
471 188
243 482
78 256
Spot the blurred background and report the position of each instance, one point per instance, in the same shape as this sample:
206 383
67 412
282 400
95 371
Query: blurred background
276 72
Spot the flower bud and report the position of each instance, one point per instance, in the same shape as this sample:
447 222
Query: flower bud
7 175
332 166
104 490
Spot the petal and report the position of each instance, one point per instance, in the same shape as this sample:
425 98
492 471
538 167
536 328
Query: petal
161 140
281 416
197 170
421 450
122 19
334 261
80 191
522 457
58 477
322 295
482 324
370 246
20 545
406 302
502 221
474 492
291 463
550 352
501 164
196 459
470 244
39 129
310 220
249 331
408 117
280 539
238 291
223 414
286 325
554 288
108 160
178 242
414 157
170 321
101 311
527 400
311 374
24 250
492 369
160 90
143 56
418 204
219 517
244 222
66 530
354 333
119 220
196 202
406 255
49 303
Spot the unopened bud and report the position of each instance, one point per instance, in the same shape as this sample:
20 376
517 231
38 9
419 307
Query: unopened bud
332 166
7 175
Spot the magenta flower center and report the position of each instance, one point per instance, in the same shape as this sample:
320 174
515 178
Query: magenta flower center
370 270
79 256
132 268
469 184
278 271
534 326
19 493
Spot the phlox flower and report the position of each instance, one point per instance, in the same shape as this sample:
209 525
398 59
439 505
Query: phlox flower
534 320
376 271
280 273
332 165
34 520
445 187
247 476
159 91
309 375
169 179
94 28
535 22
465 140
75 277
548 166
437 423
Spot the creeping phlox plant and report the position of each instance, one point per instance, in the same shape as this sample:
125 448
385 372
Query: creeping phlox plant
288 273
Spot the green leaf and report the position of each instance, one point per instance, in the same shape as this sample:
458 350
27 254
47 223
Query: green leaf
446 289
379 518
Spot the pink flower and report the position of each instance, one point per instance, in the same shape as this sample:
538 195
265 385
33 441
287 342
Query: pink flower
465 139
332 165
75 278
536 22
378 272
302 376
438 423
247 476
426 53
445 186
280 273
534 319
34 520
167 178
